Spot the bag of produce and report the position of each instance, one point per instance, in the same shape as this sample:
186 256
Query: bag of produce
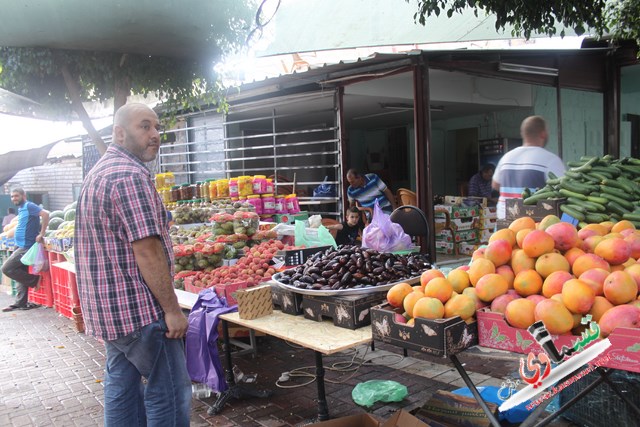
384 235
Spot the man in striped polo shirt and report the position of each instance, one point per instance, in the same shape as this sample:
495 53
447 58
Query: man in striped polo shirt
527 166
366 189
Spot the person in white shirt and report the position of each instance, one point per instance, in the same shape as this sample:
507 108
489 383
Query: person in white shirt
527 166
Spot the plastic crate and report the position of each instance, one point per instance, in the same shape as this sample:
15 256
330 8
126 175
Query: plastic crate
65 290
44 295
14 288
55 257
601 406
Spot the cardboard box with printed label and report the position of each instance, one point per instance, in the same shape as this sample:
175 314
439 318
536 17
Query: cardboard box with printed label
515 208
254 302
487 223
484 235
439 337
287 301
466 201
495 332
455 410
456 211
465 248
444 247
489 212
348 311
457 236
461 224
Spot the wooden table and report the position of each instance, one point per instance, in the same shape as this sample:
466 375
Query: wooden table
322 337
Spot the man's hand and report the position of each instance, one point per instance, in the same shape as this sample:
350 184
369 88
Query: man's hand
177 324
40 238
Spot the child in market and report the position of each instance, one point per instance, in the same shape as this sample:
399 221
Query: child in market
350 231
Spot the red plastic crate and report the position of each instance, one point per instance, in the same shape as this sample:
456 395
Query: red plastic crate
55 257
65 290
44 295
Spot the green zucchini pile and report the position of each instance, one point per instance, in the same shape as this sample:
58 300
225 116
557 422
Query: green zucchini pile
597 189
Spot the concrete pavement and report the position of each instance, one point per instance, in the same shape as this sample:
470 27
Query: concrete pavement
51 375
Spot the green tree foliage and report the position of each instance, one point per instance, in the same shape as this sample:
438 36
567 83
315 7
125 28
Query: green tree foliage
618 19
61 80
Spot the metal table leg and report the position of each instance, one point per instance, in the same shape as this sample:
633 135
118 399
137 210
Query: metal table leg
235 390
474 390
323 408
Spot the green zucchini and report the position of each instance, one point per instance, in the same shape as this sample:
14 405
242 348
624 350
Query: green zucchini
622 202
617 192
616 208
577 187
598 200
572 212
532 200
631 216
619 184
594 218
568 193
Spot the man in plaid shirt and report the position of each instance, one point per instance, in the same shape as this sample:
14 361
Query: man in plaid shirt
124 263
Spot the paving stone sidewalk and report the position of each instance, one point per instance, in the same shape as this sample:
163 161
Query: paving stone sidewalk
51 375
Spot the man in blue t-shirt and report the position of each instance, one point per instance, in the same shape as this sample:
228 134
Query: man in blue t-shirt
366 189
32 224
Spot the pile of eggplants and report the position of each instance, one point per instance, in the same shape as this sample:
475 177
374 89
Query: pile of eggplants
353 267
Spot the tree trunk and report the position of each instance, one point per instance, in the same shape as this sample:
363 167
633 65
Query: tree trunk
122 86
122 91
76 103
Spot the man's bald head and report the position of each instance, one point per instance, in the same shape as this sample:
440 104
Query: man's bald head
534 131
123 115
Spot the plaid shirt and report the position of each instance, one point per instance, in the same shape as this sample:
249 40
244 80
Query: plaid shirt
117 206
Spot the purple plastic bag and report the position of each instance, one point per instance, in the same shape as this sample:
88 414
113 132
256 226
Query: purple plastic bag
384 235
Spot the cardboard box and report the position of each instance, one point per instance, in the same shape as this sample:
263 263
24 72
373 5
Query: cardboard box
452 409
490 212
444 247
351 312
254 302
495 332
466 201
515 208
465 248
457 236
461 224
400 418
358 420
484 235
440 337
487 223
456 211
403 418
290 218
287 301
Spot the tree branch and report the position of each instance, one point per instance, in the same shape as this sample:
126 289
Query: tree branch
76 103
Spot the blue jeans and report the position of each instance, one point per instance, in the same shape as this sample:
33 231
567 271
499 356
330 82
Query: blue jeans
165 400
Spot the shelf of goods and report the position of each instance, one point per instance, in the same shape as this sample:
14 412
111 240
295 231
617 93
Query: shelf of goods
296 160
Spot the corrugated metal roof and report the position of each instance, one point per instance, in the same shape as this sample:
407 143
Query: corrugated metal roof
318 74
